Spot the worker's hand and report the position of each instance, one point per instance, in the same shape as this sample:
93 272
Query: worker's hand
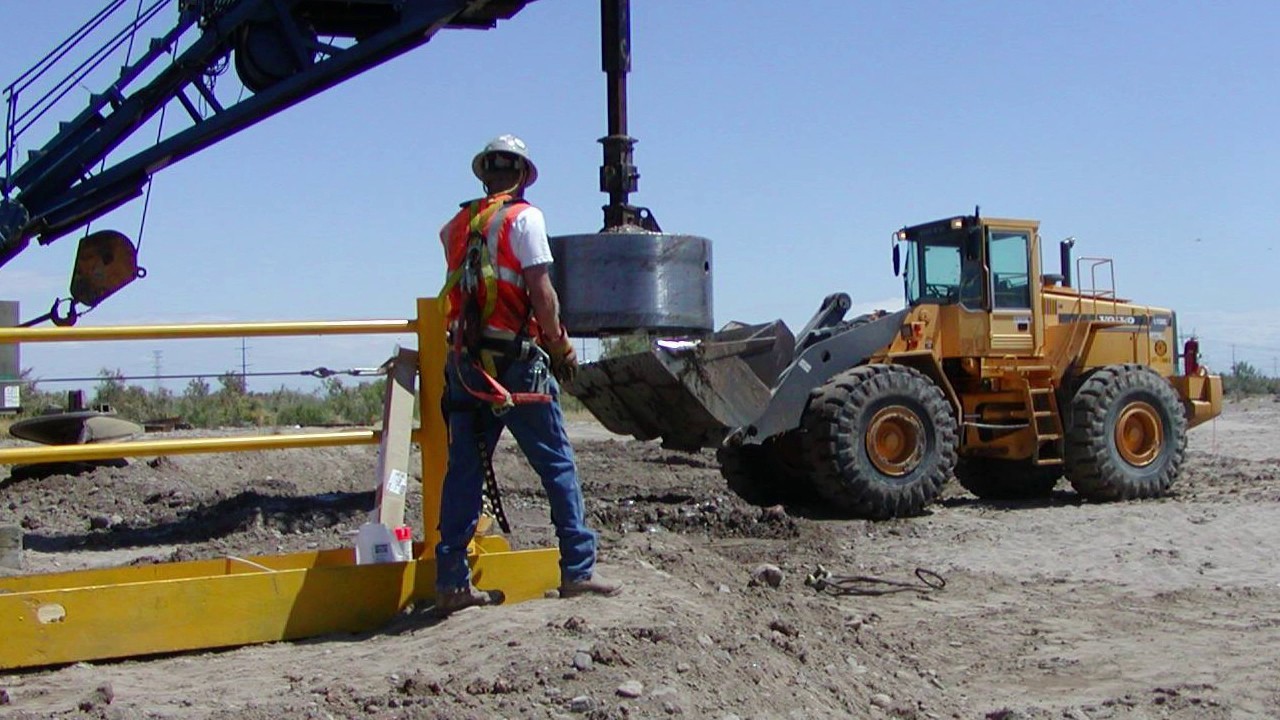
564 361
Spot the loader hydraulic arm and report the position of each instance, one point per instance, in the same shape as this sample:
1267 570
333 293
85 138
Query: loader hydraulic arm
284 52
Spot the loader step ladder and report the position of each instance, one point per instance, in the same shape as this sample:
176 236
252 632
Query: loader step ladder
1042 414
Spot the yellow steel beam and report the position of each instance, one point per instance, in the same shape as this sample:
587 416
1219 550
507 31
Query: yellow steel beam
206 330
131 611
183 446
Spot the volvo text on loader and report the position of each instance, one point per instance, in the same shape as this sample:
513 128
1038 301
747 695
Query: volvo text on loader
994 373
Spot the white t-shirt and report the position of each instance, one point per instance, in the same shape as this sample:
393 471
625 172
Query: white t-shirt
529 238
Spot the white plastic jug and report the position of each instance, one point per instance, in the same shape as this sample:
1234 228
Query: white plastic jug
376 544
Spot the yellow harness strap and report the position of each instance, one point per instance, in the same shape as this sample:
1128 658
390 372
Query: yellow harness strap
476 224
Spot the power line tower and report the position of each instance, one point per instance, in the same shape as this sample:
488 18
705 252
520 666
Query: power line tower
244 364
156 355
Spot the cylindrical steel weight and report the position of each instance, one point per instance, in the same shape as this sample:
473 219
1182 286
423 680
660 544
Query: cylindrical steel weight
621 282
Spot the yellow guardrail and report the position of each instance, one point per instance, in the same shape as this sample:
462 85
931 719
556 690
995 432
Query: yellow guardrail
427 326
209 330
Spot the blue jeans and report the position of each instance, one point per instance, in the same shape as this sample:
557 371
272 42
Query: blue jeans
539 431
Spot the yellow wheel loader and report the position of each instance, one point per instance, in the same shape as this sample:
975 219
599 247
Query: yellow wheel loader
993 373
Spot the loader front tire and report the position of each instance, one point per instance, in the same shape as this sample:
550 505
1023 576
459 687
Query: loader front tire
1000 479
1127 435
880 440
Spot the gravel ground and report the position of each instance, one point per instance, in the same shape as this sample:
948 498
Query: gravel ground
1052 609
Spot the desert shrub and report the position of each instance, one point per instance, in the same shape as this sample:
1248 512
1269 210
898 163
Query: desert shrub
1245 379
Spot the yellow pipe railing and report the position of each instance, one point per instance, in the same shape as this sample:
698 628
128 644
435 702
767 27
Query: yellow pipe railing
208 330
428 327
183 446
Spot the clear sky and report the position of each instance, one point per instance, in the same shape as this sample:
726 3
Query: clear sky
796 136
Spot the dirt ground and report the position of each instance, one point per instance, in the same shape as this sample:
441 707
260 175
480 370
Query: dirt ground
1052 609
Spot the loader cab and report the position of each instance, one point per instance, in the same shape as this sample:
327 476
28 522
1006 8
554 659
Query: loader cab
982 271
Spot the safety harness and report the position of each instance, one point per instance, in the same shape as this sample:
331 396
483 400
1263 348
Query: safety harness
476 276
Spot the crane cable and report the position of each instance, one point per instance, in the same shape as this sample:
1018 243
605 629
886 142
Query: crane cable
146 200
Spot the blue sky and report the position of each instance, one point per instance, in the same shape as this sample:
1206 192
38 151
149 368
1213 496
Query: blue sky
796 136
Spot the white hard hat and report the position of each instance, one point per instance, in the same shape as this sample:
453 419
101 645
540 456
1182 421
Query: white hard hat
511 145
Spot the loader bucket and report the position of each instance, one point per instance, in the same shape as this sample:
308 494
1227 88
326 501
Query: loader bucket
689 393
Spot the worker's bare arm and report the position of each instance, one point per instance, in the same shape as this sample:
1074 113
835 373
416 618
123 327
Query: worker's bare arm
546 304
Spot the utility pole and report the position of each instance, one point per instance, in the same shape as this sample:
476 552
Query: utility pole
244 364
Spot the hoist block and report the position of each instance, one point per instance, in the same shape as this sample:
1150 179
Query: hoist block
620 282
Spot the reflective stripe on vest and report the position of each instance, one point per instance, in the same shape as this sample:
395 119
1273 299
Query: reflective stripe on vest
501 287
493 236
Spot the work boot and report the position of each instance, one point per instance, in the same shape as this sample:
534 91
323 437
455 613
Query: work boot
450 601
594 585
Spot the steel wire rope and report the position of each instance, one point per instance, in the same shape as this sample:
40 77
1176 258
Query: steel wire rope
128 56
146 200
317 372
824 581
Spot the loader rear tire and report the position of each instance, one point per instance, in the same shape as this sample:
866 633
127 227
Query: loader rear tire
1127 435
999 479
881 441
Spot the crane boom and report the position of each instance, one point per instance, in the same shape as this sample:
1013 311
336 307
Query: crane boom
279 56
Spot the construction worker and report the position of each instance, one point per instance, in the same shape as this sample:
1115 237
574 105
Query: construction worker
505 335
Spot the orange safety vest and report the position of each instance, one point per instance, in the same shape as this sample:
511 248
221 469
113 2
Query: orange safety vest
495 277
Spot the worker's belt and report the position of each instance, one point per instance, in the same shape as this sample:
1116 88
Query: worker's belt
515 347
520 348
492 359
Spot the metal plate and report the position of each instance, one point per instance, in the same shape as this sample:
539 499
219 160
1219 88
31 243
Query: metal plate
621 282
10 360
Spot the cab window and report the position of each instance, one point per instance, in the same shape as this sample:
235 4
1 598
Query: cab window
941 268
1009 255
